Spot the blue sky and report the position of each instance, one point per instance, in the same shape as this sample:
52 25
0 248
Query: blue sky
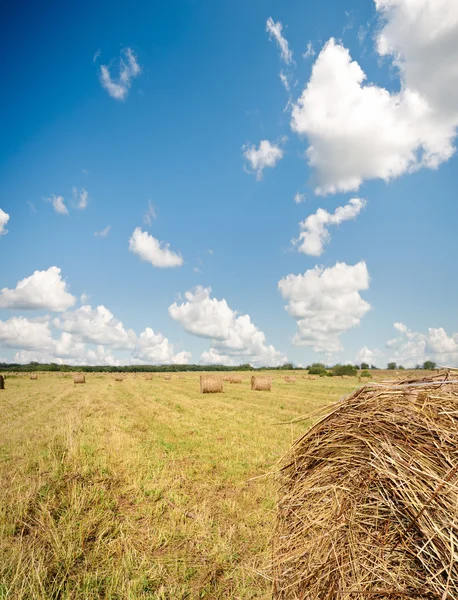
183 132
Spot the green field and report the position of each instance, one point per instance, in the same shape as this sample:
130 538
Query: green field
143 489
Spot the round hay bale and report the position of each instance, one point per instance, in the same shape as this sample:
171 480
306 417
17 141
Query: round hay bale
261 383
368 505
2 382
167 377
210 385
148 377
119 378
79 378
290 379
33 376
235 379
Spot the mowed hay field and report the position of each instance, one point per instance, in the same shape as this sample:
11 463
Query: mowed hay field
143 488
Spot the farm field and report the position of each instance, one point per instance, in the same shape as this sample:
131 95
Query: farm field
143 488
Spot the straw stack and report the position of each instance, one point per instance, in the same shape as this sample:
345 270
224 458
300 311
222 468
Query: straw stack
368 503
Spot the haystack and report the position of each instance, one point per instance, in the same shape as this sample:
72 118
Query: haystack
79 378
289 379
235 379
148 377
167 377
33 376
2 382
368 503
119 378
210 385
261 383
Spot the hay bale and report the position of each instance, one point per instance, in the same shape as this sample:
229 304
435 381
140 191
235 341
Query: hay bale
148 377
261 383
290 379
79 378
119 378
2 382
235 379
210 385
33 376
167 377
368 504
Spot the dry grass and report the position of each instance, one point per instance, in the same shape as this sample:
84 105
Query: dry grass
136 491
210 384
369 500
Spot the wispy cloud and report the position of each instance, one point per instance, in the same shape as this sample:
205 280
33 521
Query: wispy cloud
103 232
32 206
267 155
96 56
4 218
309 52
58 204
299 198
80 198
150 214
275 30
128 69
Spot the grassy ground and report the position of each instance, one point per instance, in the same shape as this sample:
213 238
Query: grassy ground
143 489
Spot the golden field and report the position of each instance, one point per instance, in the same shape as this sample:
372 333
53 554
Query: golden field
143 488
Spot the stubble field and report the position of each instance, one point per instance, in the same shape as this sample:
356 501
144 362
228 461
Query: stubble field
143 488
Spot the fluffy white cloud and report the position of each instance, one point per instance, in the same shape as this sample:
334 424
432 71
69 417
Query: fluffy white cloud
275 31
234 336
267 155
128 69
80 198
314 229
19 332
42 290
213 357
155 348
366 356
370 132
58 204
96 326
412 347
103 232
153 251
325 303
4 218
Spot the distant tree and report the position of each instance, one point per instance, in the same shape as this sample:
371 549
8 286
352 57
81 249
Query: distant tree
401 368
366 373
357 367
364 366
287 367
429 365
391 366
317 369
344 370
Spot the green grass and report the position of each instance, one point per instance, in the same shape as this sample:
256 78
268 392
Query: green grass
143 489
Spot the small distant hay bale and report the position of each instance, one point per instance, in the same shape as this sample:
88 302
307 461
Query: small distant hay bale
368 503
167 377
289 379
119 378
33 376
261 383
79 378
148 377
227 378
236 379
2 382
311 377
210 385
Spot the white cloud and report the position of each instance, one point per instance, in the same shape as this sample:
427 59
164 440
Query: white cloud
150 214
96 326
153 251
267 155
314 229
128 69
310 51
365 356
19 332
326 303
412 347
42 290
275 30
372 133
84 298
80 198
284 78
155 348
299 198
96 56
58 204
4 218
212 357
103 232
234 336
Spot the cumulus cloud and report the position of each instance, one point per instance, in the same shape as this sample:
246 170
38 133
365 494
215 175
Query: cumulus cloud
371 133
233 336
275 31
412 347
58 204
19 332
96 326
365 356
153 251
103 232
41 290
314 232
155 348
326 303
267 155
213 357
4 218
80 198
128 69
